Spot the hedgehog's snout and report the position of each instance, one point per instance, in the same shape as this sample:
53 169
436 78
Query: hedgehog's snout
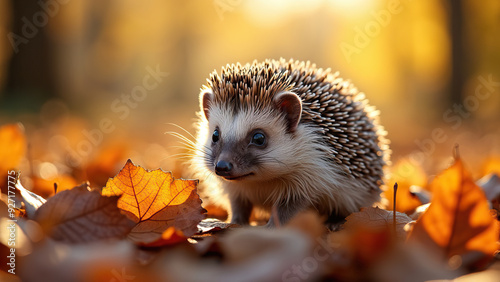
223 168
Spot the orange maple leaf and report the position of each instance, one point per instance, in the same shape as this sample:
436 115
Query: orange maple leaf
458 220
155 201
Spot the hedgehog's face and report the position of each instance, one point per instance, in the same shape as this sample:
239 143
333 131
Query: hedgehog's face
250 144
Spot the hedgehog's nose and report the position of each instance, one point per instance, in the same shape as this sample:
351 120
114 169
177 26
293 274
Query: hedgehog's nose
223 168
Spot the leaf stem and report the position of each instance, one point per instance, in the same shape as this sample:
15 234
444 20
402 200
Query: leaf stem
394 210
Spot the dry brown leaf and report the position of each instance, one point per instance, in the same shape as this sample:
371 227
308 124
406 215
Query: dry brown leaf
458 221
79 215
406 174
154 200
377 219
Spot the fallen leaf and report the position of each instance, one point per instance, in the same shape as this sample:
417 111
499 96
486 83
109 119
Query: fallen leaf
31 200
366 251
458 220
377 219
154 200
410 263
355 249
370 245
79 215
368 235
212 225
248 254
406 174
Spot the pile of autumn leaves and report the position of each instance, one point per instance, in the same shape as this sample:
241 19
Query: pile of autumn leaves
146 226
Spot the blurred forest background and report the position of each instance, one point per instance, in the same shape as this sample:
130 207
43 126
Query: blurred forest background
75 72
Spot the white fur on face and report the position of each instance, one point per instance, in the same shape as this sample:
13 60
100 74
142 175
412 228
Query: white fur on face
235 127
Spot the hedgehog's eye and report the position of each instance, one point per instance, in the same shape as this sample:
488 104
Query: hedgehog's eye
215 136
258 139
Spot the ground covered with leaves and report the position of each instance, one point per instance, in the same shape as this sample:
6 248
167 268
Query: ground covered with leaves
144 225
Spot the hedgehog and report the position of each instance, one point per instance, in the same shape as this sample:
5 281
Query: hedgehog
285 137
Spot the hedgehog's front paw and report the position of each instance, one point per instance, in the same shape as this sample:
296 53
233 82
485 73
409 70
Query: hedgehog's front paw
236 219
240 210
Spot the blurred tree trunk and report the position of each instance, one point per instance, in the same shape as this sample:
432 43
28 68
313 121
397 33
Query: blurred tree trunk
31 77
459 57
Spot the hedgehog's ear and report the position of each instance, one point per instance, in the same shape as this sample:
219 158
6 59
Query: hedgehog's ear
206 100
291 105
